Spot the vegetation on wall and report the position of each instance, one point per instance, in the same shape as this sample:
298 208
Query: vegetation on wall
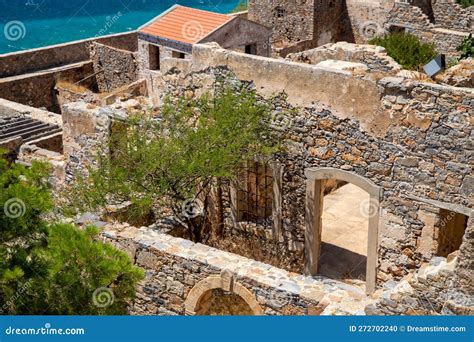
406 49
54 269
172 162
466 48
465 3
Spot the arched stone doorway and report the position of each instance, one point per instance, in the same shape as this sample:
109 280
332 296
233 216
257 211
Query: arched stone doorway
197 301
313 218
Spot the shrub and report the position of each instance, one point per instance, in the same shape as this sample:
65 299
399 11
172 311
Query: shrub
406 49
466 48
465 3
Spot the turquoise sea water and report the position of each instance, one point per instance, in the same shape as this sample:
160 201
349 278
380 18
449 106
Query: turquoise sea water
27 24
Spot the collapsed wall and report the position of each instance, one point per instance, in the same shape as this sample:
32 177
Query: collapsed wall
375 58
441 287
410 138
30 77
447 29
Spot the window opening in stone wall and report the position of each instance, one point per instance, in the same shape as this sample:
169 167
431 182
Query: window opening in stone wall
177 54
255 194
452 227
280 12
396 29
154 57
251 49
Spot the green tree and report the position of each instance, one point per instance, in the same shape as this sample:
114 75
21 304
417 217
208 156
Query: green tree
54 268
172 162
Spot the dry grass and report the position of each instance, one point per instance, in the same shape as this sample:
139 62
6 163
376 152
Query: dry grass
76 88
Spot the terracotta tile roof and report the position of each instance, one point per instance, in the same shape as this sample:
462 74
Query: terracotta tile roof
184 24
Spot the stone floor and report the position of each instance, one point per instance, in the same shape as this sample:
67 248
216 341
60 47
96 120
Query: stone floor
344 235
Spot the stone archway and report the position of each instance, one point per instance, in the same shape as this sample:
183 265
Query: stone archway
225 281
313 218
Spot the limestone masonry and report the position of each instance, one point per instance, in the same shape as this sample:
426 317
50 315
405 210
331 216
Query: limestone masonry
371 199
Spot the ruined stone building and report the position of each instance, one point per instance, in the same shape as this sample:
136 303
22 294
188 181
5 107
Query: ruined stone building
304 24
368 209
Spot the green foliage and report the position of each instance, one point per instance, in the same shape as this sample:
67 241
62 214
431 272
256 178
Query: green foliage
406 49
465 3
466 48
163 163
24 196
79 265
242 6
53 269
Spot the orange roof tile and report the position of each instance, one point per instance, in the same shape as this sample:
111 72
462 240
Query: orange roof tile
184 24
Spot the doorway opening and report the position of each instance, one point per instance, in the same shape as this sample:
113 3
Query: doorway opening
342 245
344 234
451 229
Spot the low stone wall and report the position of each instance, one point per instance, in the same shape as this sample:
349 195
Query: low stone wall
433 289
38 89
114 67
10 108
374 57
302 83
180 273
18 63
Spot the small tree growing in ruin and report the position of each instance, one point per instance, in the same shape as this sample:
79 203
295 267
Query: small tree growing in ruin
173 161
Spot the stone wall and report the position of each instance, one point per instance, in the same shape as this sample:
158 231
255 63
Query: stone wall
290 23
114 67
86 130
374 57
25 62
10 108
450 15
440 287
179 275
421 293
410 138
460 295
413 20
238 33
315 23
38 89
